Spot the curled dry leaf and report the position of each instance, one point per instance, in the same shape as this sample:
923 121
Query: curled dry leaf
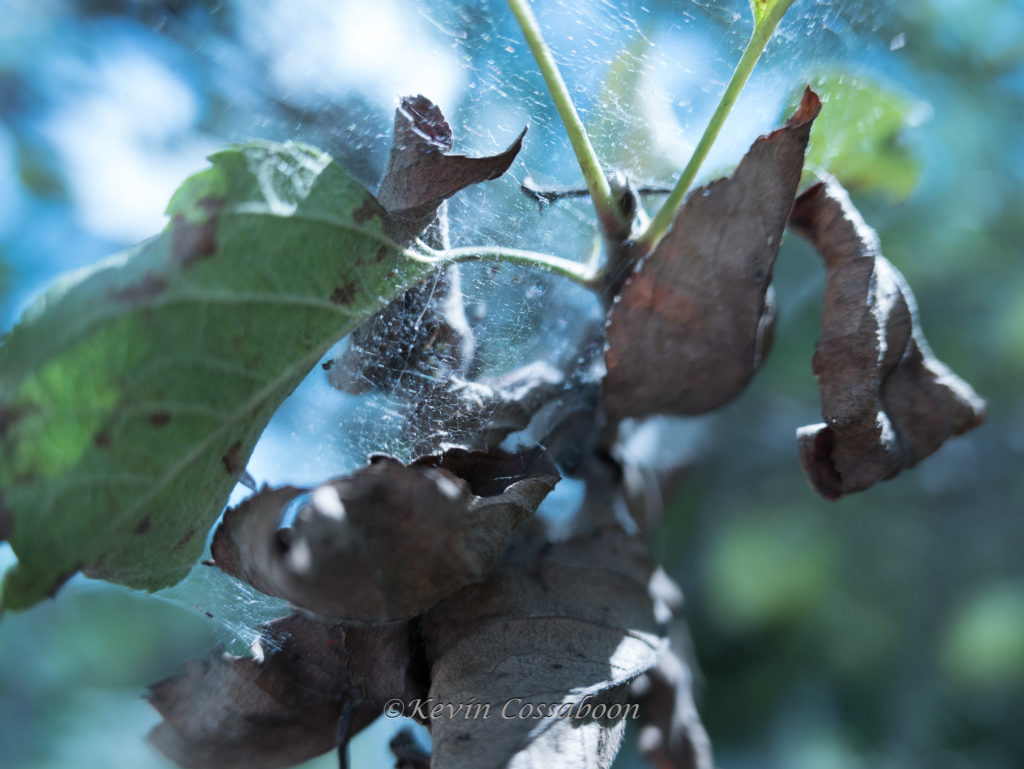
421 173
282 706
693 323
547 641
387 542
671 736
886 400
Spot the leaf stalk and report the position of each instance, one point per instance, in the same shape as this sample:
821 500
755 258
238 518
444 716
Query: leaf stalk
764 28
582 274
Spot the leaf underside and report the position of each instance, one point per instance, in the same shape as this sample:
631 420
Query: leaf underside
132 394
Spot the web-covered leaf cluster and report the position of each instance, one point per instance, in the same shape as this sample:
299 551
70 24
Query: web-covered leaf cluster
132 397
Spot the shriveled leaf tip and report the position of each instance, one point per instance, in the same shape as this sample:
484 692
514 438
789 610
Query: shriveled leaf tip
421 174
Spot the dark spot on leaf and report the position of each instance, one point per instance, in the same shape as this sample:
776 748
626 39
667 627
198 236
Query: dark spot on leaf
102 439
6 521
283 540
185 539
381 253
143 526
365 212
191 242
151 285
159 418
8 416
232 460
344 294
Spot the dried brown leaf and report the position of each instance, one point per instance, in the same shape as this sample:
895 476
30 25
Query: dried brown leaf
421 173
568 630
693 323
886 400
282 706
385 543
671 734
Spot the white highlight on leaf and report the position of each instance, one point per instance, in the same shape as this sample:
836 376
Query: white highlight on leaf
256 648
300 556
285 188
448 487
328 503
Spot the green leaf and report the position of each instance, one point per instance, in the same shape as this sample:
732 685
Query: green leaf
984 642
859 137
772 10
132 394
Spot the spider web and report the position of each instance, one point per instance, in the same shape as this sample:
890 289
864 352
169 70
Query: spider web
518 315
328 73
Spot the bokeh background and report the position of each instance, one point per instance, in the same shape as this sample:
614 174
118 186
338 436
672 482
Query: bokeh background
885 630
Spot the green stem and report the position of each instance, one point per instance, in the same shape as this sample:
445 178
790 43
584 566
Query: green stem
575 271
608 212
662 220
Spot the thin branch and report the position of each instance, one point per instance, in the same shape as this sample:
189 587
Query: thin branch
546 196
552 195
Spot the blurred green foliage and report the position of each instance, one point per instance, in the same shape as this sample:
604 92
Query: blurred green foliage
767 571
859 135
983 645
907 649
